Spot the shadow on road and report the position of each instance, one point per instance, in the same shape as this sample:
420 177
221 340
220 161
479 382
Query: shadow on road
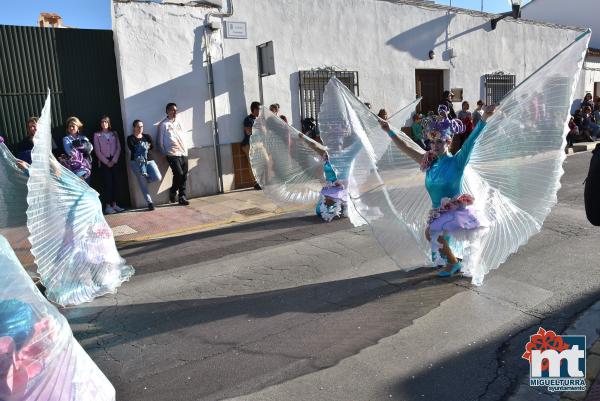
490 371
174 252
241 344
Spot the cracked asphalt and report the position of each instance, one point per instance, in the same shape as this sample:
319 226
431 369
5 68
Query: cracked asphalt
295 309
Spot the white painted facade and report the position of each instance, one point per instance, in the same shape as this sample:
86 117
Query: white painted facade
160 59
579 13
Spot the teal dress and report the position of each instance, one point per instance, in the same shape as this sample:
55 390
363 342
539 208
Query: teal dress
444 177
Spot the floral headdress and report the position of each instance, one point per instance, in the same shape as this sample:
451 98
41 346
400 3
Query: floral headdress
437 128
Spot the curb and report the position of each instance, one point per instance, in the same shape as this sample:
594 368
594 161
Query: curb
232 221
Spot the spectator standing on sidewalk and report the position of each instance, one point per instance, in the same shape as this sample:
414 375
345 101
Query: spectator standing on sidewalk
478 112
78 150
108 150
447 101
23 149
248 124
172 144
416 130
464 113
141 163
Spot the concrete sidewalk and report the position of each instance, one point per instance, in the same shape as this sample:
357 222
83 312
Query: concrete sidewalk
202 214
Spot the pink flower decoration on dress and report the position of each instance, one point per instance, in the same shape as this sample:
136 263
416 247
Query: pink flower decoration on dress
17 368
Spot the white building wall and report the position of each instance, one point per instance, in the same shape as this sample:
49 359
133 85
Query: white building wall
160 58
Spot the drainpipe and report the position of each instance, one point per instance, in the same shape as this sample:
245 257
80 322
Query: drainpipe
211 93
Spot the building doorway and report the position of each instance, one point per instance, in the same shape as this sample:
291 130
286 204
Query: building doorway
430 85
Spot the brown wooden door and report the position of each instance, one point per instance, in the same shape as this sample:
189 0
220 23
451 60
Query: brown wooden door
430 85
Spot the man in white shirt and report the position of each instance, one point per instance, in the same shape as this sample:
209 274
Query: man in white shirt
172 144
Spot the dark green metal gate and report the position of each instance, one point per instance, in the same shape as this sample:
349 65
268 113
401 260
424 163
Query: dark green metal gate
79 68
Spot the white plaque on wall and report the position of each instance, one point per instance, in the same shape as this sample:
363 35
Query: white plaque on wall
236 30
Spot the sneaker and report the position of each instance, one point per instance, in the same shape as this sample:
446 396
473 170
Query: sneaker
150 206
257 186
183 201
172 197
117 208
109 210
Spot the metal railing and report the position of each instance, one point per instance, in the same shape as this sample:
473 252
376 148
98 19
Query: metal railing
497 85
312 86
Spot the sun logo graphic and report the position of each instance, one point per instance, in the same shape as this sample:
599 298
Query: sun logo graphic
556 362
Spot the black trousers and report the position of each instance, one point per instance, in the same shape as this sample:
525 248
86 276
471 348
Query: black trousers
109 184
179 167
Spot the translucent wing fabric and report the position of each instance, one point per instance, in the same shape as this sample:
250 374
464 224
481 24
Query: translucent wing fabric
72 244
13 191
516 165
39 358
514 171
13 202
386 187
285 166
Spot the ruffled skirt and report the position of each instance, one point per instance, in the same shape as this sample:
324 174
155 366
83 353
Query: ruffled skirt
463 226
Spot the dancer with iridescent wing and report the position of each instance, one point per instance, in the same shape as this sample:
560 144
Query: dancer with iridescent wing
511 179
71 242
39 358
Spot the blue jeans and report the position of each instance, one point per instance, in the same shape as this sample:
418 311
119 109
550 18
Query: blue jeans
153 175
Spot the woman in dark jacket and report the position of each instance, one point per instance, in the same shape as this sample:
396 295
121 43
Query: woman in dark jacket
141 163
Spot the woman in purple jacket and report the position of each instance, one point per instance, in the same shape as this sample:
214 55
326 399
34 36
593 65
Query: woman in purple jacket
108 149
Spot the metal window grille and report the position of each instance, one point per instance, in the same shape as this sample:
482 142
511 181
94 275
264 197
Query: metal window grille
312 86
497 85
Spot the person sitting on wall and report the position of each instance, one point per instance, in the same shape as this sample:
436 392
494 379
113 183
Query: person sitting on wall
588 123
575 135
173 146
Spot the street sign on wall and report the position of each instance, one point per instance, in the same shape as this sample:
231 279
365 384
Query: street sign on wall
236 30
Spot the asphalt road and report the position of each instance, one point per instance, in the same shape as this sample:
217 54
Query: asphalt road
296 309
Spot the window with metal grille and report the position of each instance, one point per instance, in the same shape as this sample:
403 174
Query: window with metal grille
312 86
497 85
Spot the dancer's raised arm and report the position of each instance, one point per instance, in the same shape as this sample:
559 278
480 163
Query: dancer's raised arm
401 144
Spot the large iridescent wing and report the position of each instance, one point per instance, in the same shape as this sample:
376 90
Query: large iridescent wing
71 242
402 117
515 168
387 193
13 204
40 358
393 157
285 165
13 191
